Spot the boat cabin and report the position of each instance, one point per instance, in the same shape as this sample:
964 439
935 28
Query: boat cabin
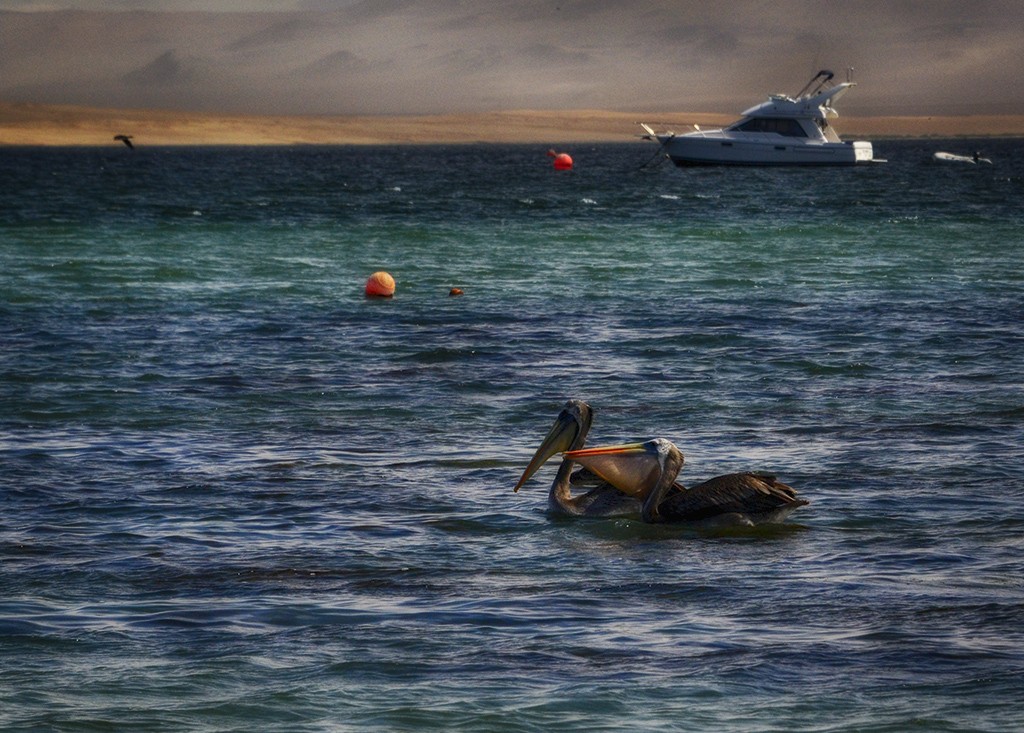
787 127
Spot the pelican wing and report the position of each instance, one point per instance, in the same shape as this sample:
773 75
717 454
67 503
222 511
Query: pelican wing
742 493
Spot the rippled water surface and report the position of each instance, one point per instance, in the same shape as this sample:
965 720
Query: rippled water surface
239 496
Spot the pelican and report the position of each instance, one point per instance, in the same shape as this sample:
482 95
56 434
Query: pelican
126 139
601 500
648 471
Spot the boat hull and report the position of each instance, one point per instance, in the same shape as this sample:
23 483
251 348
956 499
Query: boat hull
954 158
685 150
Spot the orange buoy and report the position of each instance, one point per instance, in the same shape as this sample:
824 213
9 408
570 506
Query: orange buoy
563 161
380 285
454 292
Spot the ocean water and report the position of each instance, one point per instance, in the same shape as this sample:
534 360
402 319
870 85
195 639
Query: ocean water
237 495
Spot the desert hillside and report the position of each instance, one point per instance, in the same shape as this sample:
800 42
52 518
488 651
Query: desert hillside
36 124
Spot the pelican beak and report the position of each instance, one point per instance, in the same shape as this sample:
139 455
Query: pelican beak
631 468
558 439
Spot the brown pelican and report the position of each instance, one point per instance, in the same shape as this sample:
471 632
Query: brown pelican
601 500
648 472
126 139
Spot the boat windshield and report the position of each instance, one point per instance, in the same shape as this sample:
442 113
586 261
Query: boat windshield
781 125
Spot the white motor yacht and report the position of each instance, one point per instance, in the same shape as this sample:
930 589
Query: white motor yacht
781 131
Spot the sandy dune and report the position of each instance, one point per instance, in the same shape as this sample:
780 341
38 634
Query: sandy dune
36 124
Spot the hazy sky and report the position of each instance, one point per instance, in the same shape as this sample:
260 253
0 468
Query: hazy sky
426 56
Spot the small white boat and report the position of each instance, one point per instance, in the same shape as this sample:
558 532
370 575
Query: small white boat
942 157
781 131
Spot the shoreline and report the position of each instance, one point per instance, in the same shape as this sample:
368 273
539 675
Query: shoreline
29 124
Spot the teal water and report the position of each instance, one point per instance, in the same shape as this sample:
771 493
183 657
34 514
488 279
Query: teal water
238 496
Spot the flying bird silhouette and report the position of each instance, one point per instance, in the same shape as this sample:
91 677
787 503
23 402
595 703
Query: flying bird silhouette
126 139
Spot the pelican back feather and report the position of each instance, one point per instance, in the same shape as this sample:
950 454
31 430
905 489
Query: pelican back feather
749 494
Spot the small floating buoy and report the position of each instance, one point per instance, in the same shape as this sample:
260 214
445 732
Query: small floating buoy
563 161
455 292
380 285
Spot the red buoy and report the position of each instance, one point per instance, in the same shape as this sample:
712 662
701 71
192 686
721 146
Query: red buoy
563 162
380 285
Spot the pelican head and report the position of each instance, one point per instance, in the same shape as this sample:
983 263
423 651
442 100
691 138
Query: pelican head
636 469
569 431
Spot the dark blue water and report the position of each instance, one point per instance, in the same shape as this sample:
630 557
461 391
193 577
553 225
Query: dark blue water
238 496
